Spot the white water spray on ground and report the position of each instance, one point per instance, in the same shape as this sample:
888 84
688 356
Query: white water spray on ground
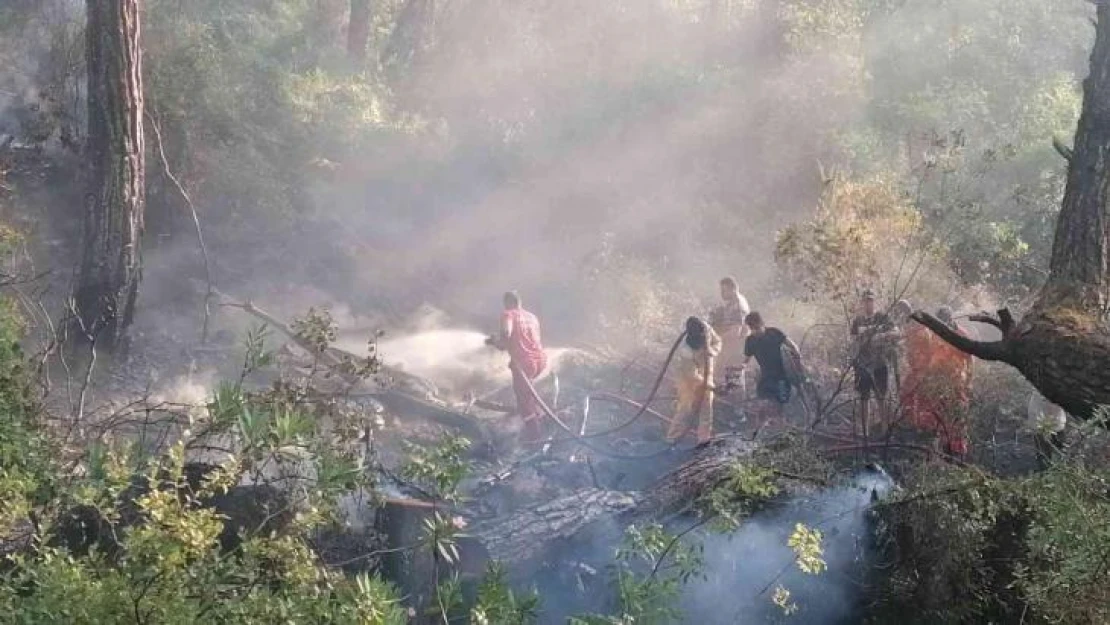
457 361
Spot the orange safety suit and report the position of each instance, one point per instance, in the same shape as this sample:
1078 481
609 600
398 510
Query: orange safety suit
935 389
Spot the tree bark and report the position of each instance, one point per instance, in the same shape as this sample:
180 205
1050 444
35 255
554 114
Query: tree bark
358 31
111 263
1062 345
522 539
528 534
411 33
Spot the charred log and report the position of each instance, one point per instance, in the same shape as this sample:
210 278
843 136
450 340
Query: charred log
524 538
678 490
529 534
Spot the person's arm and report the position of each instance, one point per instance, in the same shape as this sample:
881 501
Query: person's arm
748 353
501 342
713 343
716 317
890 330
712 349
792 347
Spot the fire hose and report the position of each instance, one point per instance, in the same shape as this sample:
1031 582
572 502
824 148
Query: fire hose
585 439
643 407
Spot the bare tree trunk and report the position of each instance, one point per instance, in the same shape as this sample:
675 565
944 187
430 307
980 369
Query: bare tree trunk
1062 346
111 264
411 33
358 31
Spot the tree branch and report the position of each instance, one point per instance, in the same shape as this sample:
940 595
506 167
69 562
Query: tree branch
196 223
986 318
1007 320
1062 149
993 350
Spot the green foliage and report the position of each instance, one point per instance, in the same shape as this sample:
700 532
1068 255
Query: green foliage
865 234
257 104
173 571
28 478
968 548
745 488
651 566
1063 577
806 544
170 565
441 468
497 604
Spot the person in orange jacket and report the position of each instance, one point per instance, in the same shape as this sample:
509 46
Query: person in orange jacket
936 389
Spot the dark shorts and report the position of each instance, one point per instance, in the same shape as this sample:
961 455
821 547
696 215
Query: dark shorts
875 379
773 389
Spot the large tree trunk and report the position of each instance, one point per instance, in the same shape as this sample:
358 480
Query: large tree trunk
358 31
108 279
1062 345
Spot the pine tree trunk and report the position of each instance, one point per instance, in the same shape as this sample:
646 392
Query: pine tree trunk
358 31
111 264
411 33
1062 346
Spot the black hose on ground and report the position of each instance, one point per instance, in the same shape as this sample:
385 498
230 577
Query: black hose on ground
651 396
585 440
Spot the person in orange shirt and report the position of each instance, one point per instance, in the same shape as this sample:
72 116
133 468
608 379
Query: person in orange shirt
936 389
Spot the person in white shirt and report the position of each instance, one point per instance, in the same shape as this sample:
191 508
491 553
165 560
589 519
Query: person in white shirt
727 321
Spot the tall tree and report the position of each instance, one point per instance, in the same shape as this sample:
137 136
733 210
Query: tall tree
1062 345
358 31
411 33
111 262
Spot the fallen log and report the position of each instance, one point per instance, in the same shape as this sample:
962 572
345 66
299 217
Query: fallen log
677 491
401 403
332 356
524 539
528 534
413 395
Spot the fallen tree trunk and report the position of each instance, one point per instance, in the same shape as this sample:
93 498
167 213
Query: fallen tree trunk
332 356
523 539
413 395
678 490
528 534
1062 345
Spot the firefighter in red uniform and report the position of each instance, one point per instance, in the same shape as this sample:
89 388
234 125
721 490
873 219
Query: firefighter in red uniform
520 336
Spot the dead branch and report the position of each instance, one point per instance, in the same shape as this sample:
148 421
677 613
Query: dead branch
196 224
1062 149
985 350
986 318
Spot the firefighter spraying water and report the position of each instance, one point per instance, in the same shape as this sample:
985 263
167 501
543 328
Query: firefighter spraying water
520 336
